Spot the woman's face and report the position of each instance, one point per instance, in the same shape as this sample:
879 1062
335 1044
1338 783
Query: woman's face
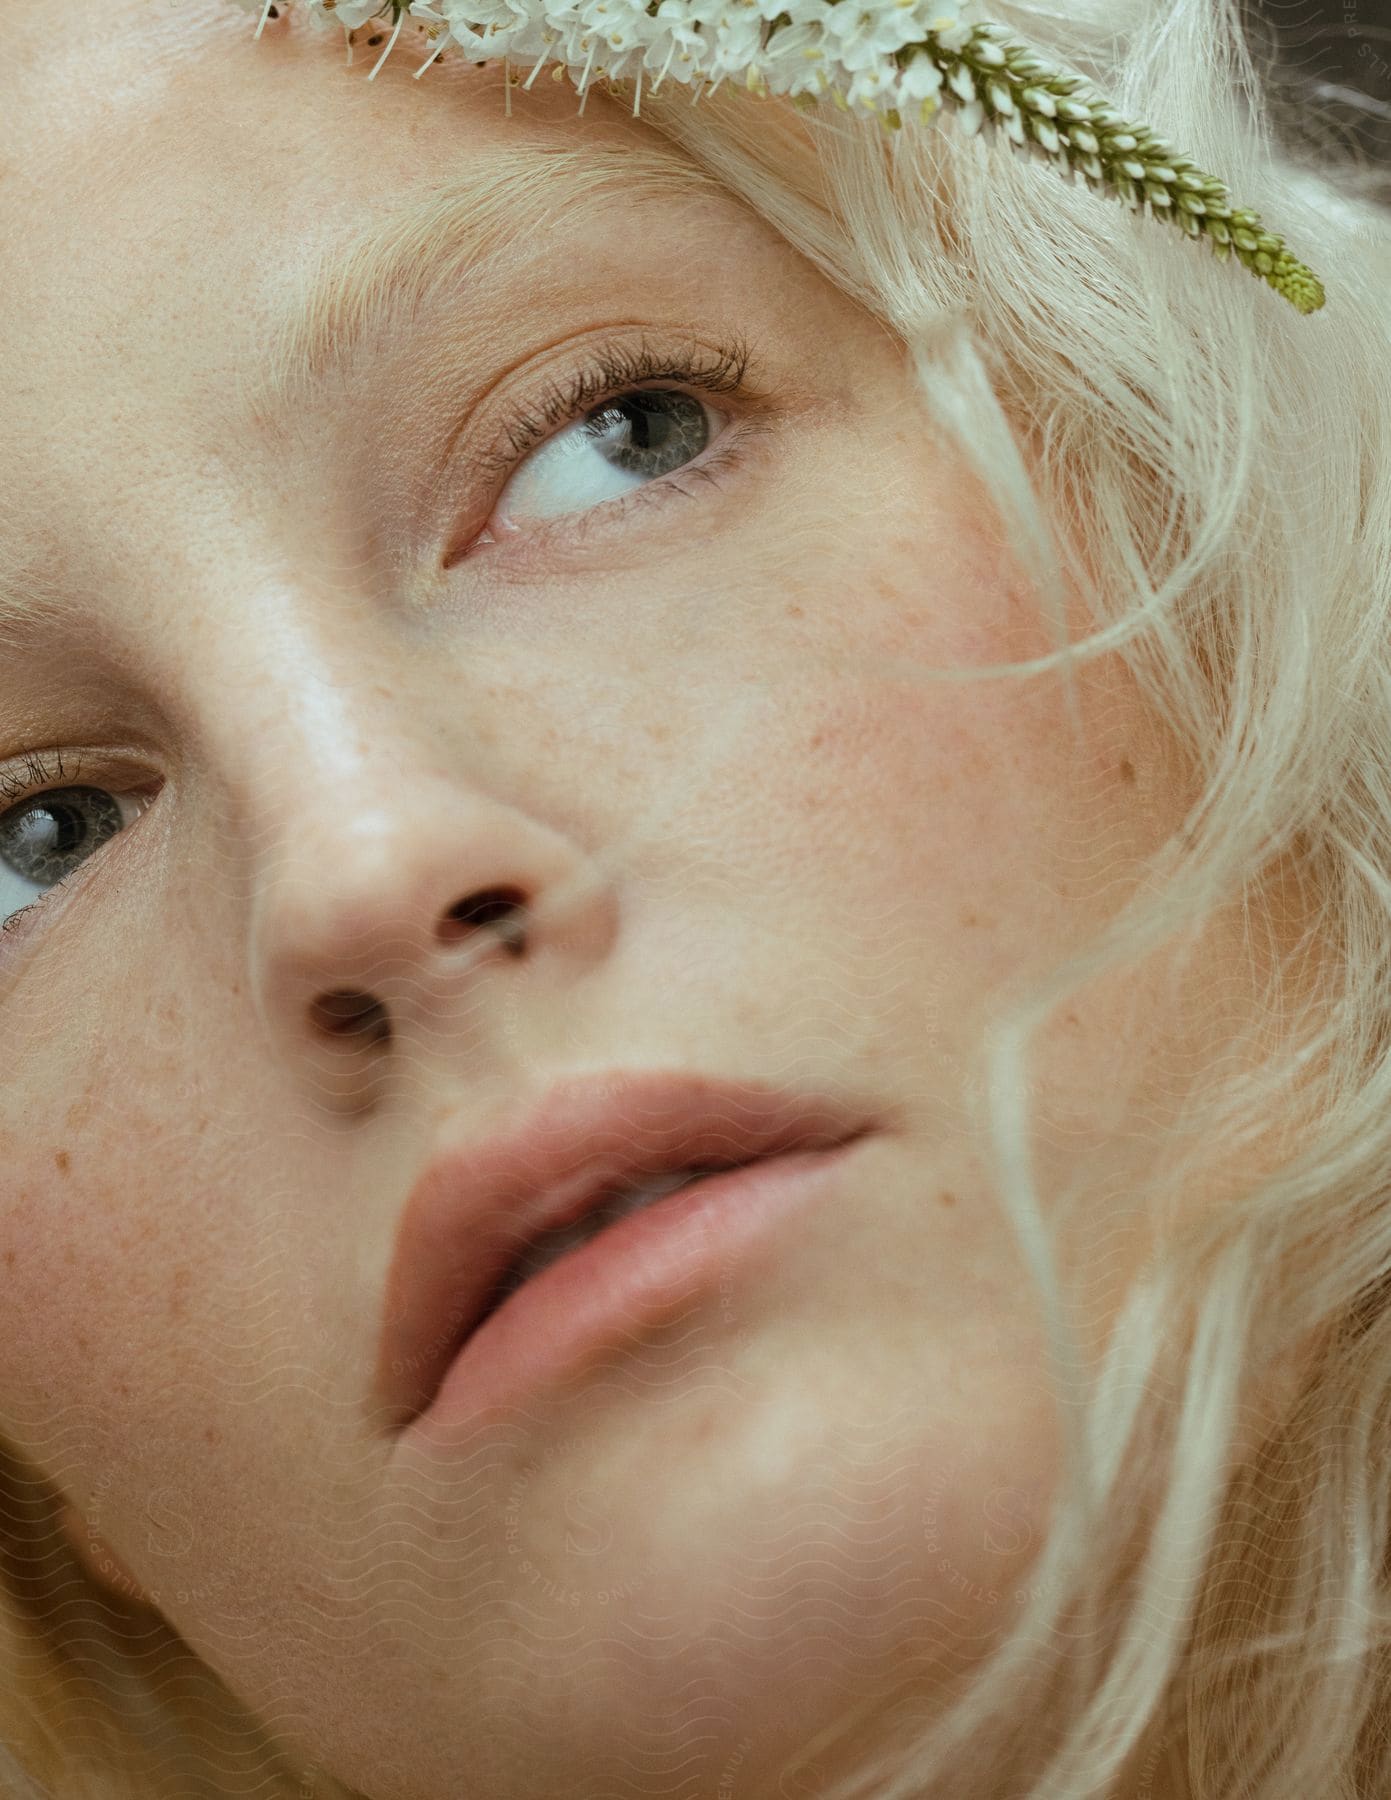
328 679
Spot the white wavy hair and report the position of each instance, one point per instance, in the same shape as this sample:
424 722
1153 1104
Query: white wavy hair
1211 1613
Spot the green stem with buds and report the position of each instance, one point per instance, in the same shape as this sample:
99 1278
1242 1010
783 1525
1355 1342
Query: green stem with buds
1031 101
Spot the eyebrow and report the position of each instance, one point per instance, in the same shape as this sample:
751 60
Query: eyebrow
485 222
467 228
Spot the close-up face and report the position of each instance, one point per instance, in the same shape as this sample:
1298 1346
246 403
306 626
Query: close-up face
317 688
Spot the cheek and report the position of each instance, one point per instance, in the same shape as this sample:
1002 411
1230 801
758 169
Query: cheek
915 563
992 765
976 829
957 779
87 1308
160 1361
109 1211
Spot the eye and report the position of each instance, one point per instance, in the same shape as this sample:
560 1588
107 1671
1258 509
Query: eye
46 837
626 443
627 425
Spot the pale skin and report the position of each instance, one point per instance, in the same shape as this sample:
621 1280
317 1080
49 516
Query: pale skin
826 867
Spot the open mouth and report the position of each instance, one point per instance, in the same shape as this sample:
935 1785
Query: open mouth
525 1238
581 1300
631 1197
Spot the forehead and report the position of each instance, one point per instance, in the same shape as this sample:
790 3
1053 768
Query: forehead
166 127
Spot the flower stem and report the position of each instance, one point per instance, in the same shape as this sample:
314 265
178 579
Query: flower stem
1032 102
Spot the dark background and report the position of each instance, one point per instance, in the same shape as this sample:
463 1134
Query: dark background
1333 66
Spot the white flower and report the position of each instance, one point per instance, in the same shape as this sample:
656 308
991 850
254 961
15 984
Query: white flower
347 14
485 29
797 59
680 22
468 16
872 87
475 46
738 38
619 24
502 15
677 50
953 29
861 33
920 79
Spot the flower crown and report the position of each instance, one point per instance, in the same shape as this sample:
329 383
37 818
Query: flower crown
887 57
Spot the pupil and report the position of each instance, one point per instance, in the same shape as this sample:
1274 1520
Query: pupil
648 426
651 433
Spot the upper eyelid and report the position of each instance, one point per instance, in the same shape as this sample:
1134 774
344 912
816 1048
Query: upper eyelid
712 349
108 760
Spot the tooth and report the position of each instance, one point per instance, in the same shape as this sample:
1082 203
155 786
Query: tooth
639 1192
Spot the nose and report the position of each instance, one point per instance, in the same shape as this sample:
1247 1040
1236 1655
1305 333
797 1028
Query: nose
376 910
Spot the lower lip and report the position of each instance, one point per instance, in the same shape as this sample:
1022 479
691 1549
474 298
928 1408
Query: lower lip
631 1277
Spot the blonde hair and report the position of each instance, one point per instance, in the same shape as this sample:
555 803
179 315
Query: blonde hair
1211 1610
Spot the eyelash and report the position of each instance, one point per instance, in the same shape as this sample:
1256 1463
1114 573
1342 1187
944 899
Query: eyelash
614 371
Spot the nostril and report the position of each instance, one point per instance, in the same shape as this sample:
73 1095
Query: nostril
349 1013
499 907
346 1013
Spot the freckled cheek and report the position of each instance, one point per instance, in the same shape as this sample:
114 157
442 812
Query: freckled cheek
889 750
937 812
946 606
81 1330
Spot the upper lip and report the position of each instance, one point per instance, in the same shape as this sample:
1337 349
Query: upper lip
477 1206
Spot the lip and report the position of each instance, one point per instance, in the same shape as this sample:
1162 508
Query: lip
640 1272
476 1206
